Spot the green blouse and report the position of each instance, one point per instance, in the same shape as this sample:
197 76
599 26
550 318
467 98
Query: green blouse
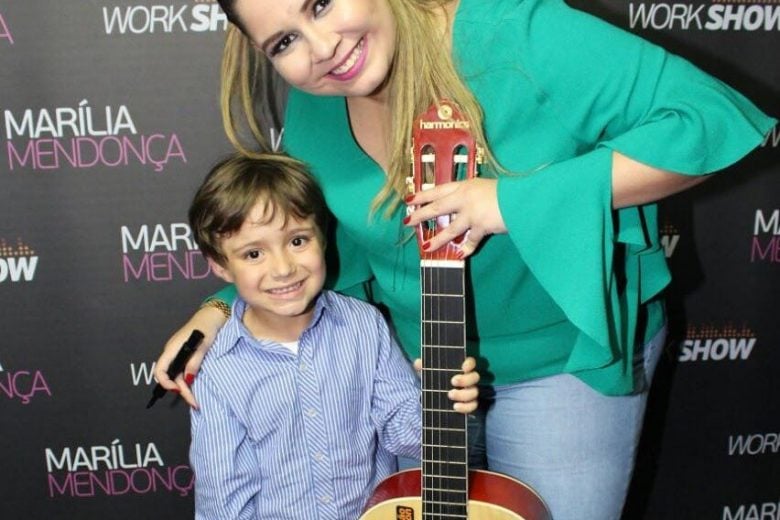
574 285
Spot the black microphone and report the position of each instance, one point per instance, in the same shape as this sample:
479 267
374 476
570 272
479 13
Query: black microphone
177 365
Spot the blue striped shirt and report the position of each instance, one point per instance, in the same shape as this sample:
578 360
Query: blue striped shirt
305 436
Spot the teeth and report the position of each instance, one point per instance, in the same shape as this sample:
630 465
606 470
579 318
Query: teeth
285 290
344 67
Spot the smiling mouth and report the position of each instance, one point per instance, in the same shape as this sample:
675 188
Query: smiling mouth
345 69
281 291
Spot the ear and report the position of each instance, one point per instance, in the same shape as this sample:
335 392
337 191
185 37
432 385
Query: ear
220 271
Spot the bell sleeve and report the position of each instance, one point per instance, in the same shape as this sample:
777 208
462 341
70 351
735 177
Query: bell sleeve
615 92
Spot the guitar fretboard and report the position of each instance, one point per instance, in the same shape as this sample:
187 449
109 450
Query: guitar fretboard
444 450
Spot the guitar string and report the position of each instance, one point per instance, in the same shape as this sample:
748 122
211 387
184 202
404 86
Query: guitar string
432 288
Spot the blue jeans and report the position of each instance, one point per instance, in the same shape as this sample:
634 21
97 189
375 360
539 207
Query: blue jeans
574 446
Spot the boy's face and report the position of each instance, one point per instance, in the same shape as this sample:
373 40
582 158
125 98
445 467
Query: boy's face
278 270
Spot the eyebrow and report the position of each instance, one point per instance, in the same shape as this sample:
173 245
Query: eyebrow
311 230
264 45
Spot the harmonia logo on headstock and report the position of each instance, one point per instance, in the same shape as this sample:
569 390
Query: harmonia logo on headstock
446 121
443 150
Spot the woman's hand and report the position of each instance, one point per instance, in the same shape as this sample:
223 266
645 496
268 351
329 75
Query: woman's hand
208 320
474 204
465 390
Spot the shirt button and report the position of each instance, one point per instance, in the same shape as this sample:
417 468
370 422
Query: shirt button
325 499
303 367
319 456
311 412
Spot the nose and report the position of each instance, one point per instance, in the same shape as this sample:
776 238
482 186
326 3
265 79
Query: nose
323 42
282 265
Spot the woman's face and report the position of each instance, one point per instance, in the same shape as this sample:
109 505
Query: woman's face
325 47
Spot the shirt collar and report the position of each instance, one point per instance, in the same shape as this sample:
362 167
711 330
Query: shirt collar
234 330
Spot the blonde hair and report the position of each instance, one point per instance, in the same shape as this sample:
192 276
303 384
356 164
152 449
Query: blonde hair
423 73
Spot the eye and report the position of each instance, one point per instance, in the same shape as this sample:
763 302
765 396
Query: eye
299 241
253 254
282 44
320 5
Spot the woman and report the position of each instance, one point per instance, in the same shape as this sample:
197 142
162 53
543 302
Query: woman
585 127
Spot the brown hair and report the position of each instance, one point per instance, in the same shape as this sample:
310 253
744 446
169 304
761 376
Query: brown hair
234 186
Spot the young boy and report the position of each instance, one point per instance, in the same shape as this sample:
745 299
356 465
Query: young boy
305 399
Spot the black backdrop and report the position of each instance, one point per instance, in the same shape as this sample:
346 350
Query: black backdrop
109 121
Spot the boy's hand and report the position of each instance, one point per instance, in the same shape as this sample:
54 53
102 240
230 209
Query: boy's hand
465 391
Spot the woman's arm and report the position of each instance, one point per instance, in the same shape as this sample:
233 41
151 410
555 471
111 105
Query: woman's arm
475 202
634 183
208 319
639 117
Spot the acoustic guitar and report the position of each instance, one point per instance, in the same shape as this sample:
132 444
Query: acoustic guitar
444 150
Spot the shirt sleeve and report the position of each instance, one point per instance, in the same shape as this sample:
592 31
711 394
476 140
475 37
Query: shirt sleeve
395 403
632 96
612 91
222 458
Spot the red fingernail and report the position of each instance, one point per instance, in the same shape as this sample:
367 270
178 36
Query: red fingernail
189 378
426 246
175 390
407 219
408 198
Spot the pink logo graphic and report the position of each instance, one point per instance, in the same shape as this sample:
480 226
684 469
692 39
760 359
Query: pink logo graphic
82 138
5 32
23 385
161 254
114 470
766 237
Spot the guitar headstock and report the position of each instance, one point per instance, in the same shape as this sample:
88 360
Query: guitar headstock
443 150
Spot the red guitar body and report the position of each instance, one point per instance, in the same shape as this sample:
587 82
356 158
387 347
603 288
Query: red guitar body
491 496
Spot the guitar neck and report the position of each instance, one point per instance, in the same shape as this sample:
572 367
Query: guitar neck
444 453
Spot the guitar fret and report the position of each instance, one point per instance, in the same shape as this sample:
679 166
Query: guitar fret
453 462
443 501
443 322
434 391
448 446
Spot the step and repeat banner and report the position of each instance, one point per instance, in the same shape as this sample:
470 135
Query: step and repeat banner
109 120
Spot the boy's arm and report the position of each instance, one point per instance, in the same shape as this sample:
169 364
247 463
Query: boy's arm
222 457
395 403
